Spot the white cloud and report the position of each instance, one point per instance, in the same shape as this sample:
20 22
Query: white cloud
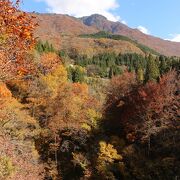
143 30
79 8
124 22
175 38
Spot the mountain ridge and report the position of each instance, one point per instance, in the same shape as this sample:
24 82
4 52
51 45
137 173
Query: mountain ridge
53 26
162 46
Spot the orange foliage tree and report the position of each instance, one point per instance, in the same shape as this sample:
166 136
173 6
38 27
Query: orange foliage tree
49 62
70 107
16 38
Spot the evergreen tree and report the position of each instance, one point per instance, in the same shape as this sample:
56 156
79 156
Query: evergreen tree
46 47
39 46
163 65
78 74
152 70
111 73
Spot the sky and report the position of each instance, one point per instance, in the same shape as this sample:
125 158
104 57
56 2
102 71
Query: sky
155 17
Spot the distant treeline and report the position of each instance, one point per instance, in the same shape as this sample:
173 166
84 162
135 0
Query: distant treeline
110 64
107 65
44 47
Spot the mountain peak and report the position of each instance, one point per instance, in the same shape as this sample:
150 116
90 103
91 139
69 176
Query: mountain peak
93 19
95 16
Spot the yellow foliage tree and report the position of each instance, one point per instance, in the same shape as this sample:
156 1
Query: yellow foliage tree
54 80
106 159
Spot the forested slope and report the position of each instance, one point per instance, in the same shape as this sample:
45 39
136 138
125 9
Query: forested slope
66 115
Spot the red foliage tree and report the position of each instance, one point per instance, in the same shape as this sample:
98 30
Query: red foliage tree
144 109
119 87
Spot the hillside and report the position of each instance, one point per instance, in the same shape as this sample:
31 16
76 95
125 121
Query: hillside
56 27
52 27
90 46
164 47
60 33
124 39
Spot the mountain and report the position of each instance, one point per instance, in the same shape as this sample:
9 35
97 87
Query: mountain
53 26
63 30
162 46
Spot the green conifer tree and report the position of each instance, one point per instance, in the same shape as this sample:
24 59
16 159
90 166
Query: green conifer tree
163 65
152 70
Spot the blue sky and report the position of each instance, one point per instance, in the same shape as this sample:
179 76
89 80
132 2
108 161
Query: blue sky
156 17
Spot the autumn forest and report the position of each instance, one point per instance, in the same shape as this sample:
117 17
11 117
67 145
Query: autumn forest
68 114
